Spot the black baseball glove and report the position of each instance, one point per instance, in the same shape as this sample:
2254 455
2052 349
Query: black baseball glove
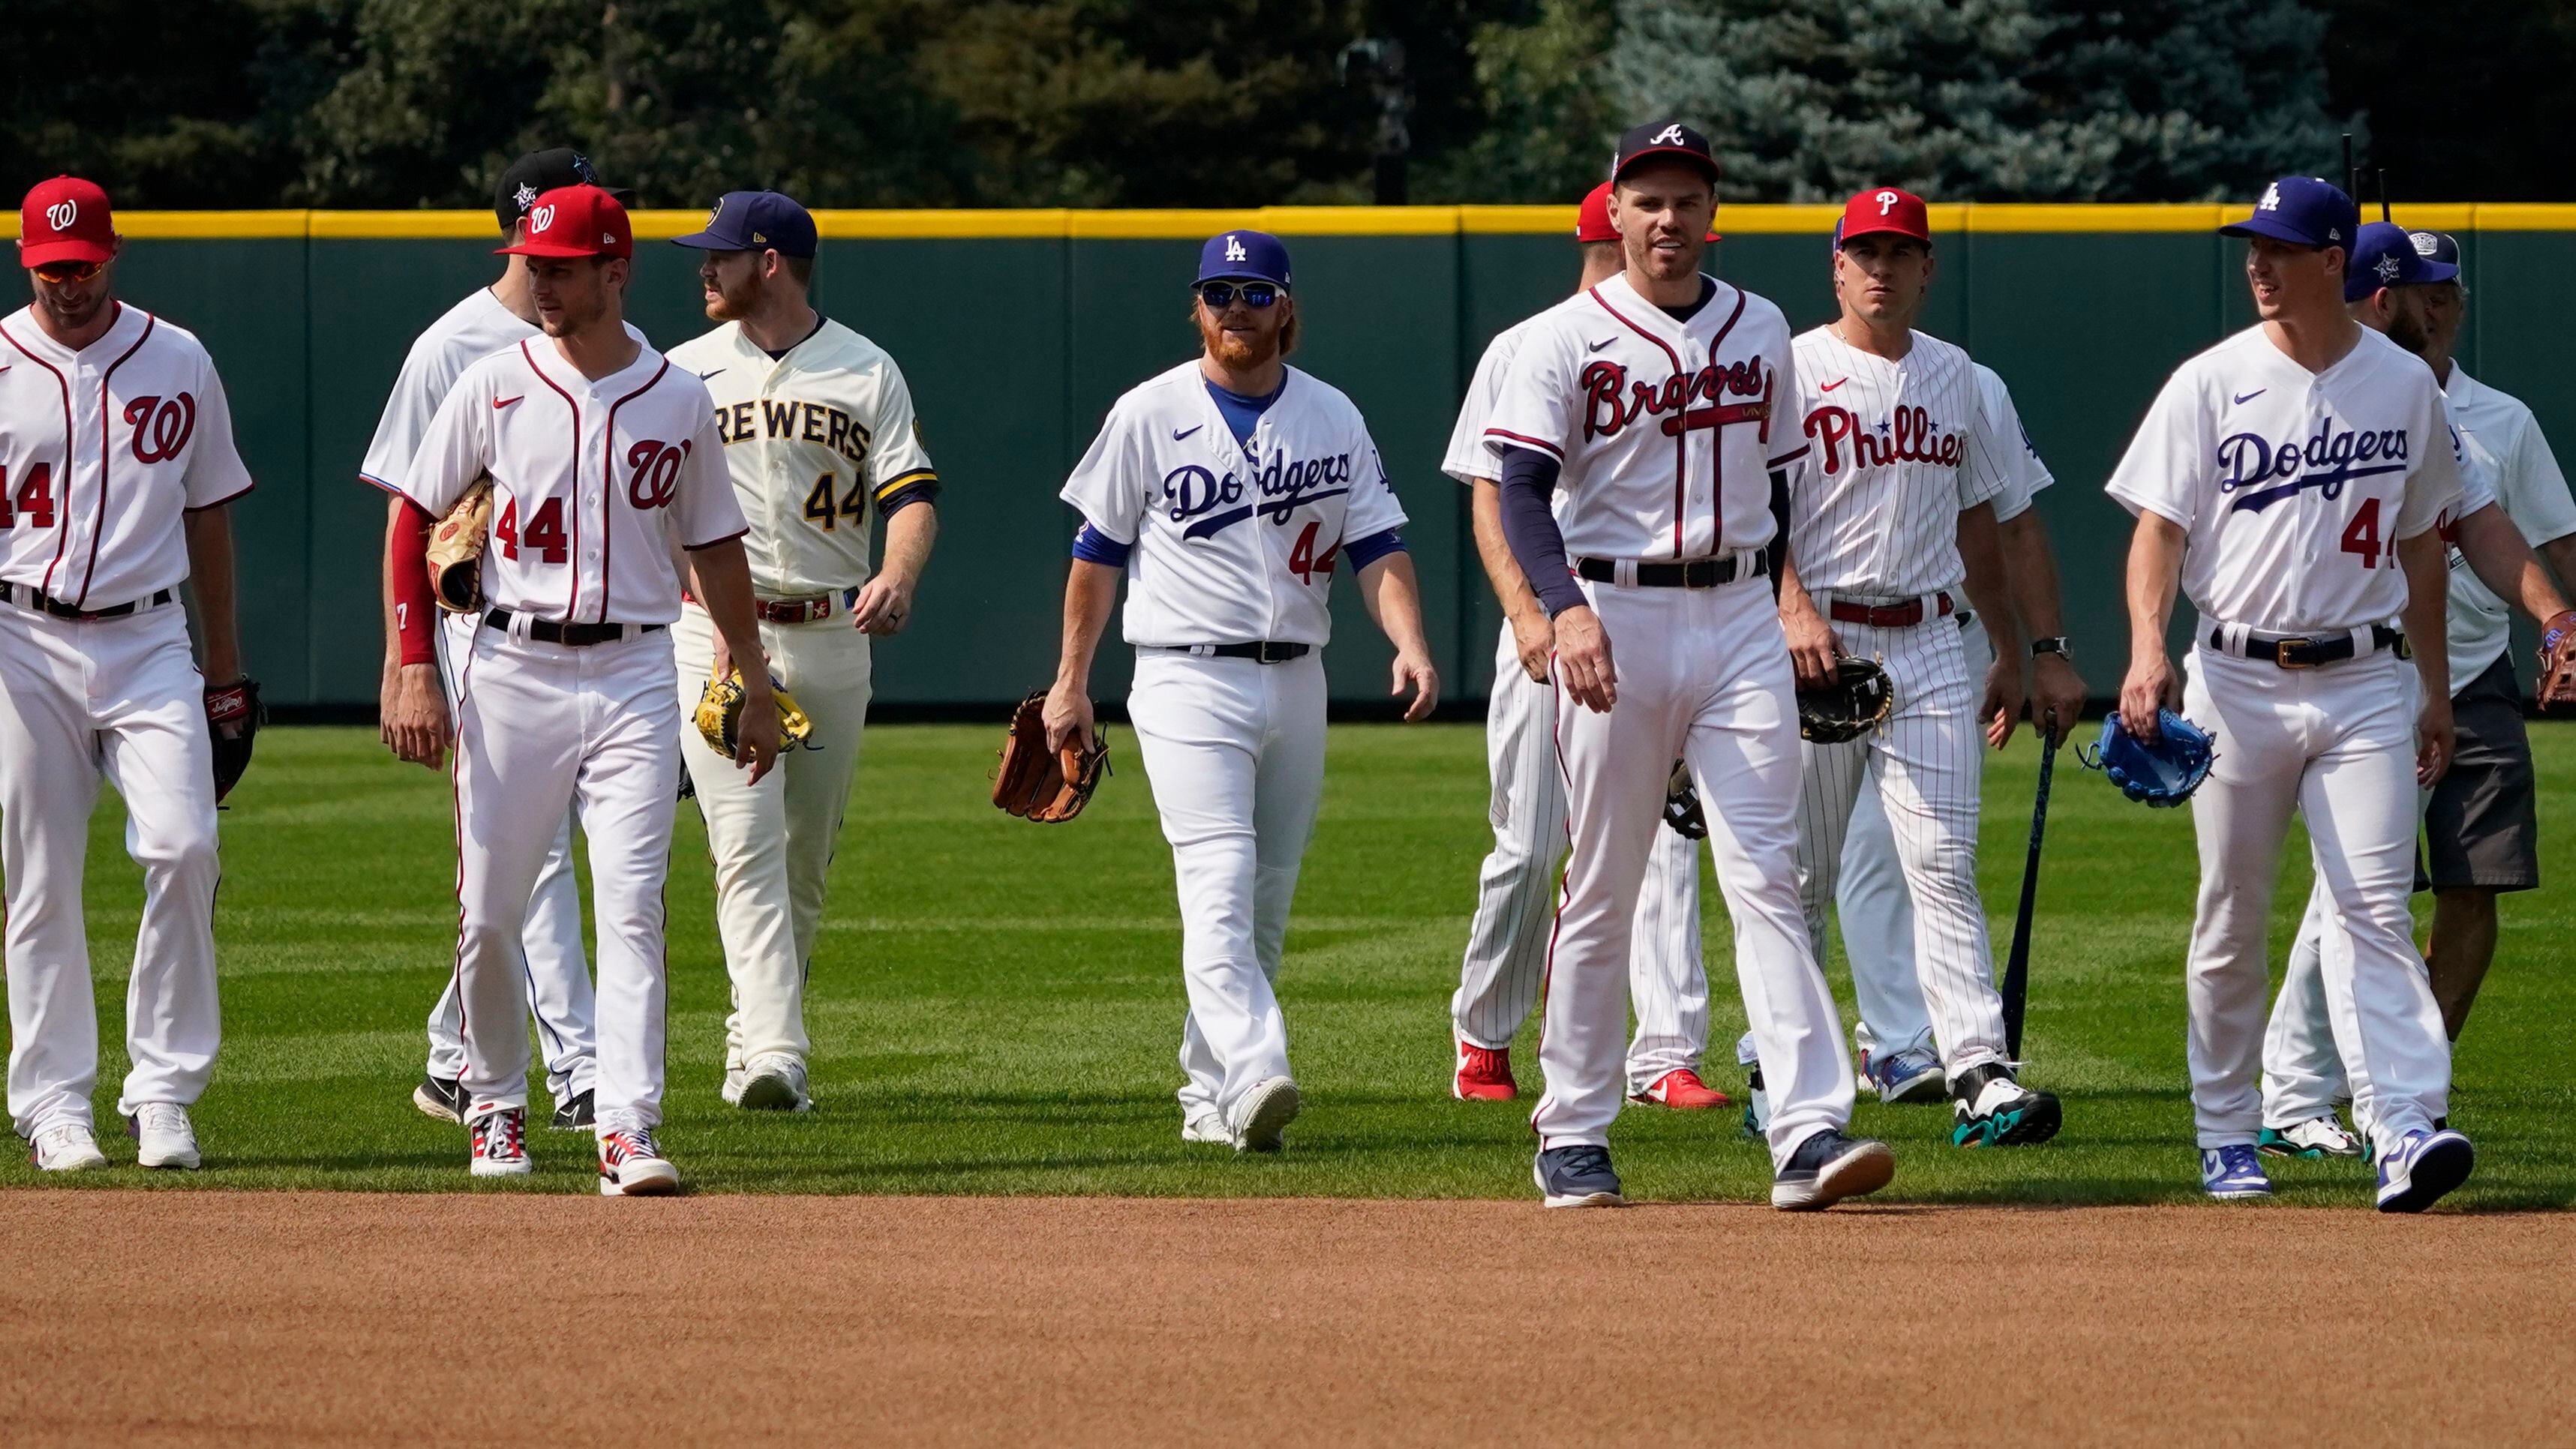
233 717
1848 708
1681 805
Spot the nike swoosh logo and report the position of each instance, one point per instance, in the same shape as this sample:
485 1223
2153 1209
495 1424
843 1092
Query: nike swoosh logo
1597 346
2249 397
502 402
1830 386
1180 433
705 375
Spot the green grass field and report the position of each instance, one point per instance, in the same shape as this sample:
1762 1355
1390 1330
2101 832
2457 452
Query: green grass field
995 1006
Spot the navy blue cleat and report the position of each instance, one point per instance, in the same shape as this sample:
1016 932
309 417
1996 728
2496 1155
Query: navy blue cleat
1993 1110
1829 1167
2233 1173
2423 1170
1577 1176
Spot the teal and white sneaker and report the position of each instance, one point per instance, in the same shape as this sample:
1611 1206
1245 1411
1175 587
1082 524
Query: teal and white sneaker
2316 1137
1993 1110
1757 1108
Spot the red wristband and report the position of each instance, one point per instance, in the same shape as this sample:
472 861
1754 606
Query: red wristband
407 565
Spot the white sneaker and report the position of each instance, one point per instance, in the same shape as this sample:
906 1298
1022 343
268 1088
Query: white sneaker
500 1143
66 1147
2316 1137
732 1091
162 1135
773 1082
631 1164
1265 1113
1207 1126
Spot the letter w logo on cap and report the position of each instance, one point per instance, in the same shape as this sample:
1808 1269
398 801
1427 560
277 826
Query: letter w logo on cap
541 219
62 214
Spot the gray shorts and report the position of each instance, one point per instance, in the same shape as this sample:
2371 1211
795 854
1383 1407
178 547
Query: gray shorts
2482 827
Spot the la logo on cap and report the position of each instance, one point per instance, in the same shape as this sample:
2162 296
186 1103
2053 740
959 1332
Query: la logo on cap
2271 198
1233 248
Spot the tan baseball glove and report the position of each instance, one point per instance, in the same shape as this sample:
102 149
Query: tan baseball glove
1036 783
2556 687
456 550
719 716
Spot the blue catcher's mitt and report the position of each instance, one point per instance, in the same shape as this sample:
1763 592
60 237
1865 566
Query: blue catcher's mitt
2162 774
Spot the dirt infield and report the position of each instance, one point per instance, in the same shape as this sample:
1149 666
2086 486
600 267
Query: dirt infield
225 1318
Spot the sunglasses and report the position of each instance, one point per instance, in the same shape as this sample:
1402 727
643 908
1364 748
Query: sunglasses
1220 295
59 272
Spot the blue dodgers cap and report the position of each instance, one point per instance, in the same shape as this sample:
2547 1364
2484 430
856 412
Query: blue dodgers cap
752 221
1244 256
2303 211
2385 255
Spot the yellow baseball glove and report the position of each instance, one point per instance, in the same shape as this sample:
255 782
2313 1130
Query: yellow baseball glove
719 716
456 550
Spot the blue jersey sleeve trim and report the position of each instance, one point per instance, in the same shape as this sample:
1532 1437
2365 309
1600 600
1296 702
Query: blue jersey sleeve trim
1365 551
1093 546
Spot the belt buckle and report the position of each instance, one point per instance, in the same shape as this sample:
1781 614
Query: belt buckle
2281 652
1271 652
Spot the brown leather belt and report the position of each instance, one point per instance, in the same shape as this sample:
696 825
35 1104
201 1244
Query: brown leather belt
44 603
803 609
1887 616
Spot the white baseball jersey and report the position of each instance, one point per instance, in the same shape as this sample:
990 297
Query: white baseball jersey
465 334
1233 543
1468 457
2024 474
101 450
2502 445
813 439
1665 428
1897 451
592 482
2293 488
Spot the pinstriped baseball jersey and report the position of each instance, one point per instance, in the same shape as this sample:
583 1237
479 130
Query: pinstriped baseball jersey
2293 488
1665 428
1468 457
2024 474
1898 449
814 439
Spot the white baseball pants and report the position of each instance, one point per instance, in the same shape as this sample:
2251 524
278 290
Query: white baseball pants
1498 983
773 841
1926 763
1703 675
551 955
120 700
2337 745
1234 750
542 728
2302 1070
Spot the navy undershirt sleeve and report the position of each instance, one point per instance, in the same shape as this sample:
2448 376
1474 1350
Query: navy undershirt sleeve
1529 526
1365 551
1093 546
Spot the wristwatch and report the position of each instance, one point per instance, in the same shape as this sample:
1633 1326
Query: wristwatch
2054 644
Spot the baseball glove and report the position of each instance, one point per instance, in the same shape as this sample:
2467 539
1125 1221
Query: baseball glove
456 550
1036 783
1848 708
2557 683
233 718
1681 805
719 717
2162 774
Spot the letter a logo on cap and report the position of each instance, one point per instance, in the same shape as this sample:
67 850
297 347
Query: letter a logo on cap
541 218
1233 248
1669 136
1887 202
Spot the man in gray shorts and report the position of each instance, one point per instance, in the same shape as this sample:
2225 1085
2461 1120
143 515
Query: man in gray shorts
2480 826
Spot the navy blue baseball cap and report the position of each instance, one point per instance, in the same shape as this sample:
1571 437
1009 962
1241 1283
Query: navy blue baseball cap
2440 246
1244 256
752 221
2303 211
2385 255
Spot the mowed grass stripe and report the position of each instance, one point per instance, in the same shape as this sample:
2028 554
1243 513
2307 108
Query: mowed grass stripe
996 1006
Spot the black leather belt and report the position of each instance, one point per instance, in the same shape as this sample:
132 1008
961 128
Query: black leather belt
1698 573
2295 651
1267 651
547 631
46 604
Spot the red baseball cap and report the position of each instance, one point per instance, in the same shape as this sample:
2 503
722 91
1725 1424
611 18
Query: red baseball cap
576 221
1592 218
65 220
1884 209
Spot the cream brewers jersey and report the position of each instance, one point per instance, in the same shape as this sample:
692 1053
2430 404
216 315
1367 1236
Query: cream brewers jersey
1468 457
2501 443
1665 428
592 482
1897 450
2024 474
1233 543
101 450
2293 488
816 441
465 334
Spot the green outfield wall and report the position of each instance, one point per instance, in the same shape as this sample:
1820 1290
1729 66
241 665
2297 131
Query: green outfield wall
1017 329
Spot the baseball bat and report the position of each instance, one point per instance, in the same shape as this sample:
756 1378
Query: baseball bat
2016 990
2383 195
2351 172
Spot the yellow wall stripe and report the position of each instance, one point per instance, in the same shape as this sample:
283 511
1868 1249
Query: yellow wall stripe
958 224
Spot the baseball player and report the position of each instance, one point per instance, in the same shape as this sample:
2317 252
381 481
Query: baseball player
414 700
1893 1038
1639 453
2480 825
2289 480
1225 490
1897 506
116 461
1498 984
820 438
605 463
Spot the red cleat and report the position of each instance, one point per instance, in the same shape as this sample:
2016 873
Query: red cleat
1484 1074
1682 1090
